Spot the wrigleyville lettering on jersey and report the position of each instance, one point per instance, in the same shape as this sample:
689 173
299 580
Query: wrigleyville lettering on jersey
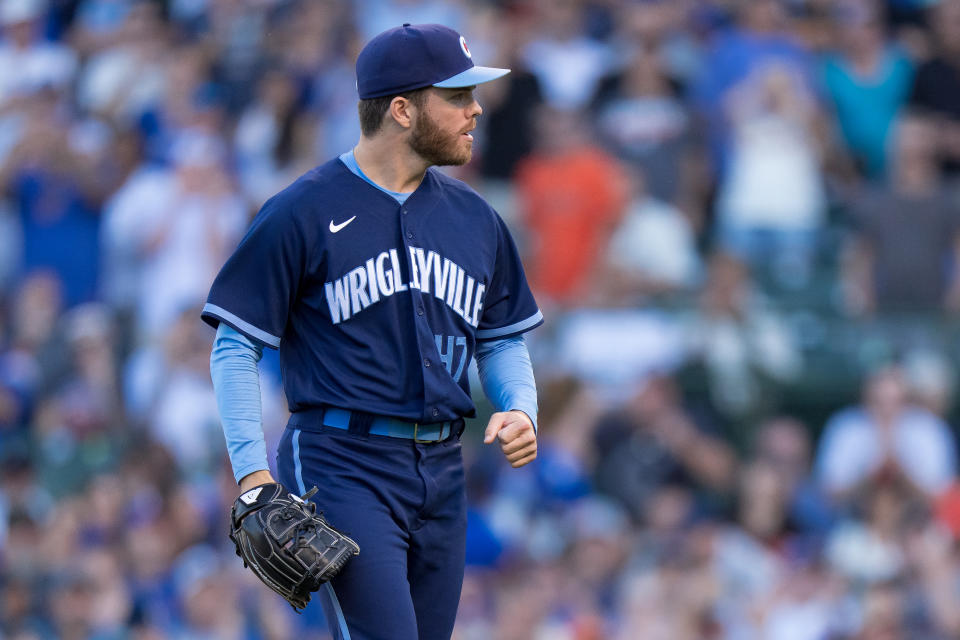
379 277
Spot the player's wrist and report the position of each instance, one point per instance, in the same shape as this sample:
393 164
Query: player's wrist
529 418
255 479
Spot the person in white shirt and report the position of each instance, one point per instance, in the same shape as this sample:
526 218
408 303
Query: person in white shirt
166 231
28 61
885 439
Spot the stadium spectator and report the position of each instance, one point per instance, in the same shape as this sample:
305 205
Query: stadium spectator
510 109
903 253
868 80
664 29
936 89
771 202
652 441
784 445
751 554
264 140
207 595
376 16
110 603
18 378
931 380
333 126
759 37
179 224
885 440
934 556
652 251
807 604
739 341
33 357
866 549
567 62
600 541
77 425
124 77
672 600
183 418
96 24
189 100
53 185
30 63
571 194
642 120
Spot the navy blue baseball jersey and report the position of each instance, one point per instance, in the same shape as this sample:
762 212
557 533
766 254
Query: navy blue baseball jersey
374 305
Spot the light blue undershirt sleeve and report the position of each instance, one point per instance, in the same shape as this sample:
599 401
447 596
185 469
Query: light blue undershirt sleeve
506 375
236 384
351 162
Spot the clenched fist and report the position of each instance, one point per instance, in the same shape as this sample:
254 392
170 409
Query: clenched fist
517 437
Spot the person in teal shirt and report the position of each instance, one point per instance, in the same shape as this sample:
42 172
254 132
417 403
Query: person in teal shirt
867 81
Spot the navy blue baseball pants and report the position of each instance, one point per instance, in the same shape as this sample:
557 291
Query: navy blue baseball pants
404 504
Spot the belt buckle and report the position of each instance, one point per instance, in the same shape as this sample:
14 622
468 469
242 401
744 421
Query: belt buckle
416 426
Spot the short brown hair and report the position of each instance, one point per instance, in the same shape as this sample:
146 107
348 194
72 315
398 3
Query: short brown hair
373 110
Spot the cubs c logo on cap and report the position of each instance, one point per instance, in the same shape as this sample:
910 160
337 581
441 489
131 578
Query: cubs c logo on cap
414 56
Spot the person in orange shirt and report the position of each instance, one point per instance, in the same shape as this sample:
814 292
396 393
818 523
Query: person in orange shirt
571 195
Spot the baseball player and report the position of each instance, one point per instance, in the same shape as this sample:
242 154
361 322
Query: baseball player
378 278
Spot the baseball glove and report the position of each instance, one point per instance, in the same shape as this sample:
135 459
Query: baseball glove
286 543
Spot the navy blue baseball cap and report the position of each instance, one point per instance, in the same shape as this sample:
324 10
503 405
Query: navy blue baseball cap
414 56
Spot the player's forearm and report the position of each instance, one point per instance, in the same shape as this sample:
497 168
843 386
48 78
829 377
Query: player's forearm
506 375
236 383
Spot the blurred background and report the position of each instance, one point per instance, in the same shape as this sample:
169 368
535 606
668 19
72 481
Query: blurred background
739 217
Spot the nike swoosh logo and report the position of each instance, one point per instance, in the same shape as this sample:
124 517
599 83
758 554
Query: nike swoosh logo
336 227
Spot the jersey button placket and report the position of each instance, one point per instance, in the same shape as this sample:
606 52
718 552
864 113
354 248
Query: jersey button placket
406 234
404 229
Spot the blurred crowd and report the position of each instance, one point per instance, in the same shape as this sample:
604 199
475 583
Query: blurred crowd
739 216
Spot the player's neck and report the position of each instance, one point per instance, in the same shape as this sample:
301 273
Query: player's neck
390 163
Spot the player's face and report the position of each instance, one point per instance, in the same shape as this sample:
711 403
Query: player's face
441 129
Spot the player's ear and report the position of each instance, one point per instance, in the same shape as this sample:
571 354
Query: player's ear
401 111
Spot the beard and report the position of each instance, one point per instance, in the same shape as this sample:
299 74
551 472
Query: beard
436 146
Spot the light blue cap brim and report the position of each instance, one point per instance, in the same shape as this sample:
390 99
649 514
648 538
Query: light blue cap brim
472 76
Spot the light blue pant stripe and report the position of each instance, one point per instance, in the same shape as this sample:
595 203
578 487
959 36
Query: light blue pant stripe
297 468
341 621
298 472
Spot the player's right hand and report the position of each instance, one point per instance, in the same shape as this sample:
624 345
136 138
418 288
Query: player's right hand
518 439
